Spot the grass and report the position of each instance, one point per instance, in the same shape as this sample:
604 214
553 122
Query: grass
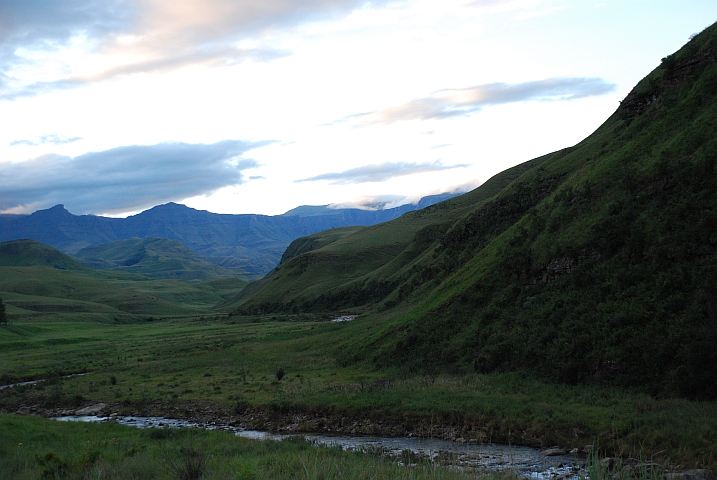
42 292
156 258
33 447
183 365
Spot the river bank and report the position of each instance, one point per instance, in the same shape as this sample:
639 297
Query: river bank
294 419
526 462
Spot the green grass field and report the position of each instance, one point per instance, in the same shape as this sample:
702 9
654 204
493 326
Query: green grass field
221 362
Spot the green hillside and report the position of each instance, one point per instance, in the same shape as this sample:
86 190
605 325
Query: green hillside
592 264
29 253
39 282
154 257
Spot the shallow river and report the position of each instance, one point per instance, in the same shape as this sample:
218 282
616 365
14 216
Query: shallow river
524 460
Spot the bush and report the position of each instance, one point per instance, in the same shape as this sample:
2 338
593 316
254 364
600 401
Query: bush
188 464
54 466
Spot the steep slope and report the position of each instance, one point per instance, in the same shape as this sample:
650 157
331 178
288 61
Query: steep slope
250 242
593 264
351 268
154 257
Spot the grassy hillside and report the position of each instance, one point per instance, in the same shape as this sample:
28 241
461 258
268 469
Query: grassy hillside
360 262
38 282
29 253
593 264
156 258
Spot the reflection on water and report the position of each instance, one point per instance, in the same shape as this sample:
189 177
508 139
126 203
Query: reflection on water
524 460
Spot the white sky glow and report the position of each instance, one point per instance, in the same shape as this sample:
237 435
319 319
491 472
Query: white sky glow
425 95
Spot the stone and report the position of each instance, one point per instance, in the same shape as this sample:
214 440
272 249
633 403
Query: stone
91 410
608 463
697 474
552 452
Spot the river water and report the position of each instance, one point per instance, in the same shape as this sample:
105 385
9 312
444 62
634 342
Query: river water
525 461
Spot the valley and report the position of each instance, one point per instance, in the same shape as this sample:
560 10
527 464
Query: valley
569 301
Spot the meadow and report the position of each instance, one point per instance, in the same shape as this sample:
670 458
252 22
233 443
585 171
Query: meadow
267 371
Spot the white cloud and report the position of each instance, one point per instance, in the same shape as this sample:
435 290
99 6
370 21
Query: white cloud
85 41
464 101
124 178
380 172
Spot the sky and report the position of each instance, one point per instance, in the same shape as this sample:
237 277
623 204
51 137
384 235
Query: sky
111 107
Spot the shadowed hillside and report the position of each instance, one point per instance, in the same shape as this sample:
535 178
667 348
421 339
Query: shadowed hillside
596 263
38 282
154 257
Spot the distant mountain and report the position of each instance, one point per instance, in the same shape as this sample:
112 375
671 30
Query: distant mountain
596 263
253 243
154 257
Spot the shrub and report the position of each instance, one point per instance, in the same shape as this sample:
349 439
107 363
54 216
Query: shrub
188 464
54 466
3 315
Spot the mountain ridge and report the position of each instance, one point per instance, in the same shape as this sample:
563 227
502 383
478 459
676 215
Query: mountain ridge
251 242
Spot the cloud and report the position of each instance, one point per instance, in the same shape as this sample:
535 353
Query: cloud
52 139
376 202
125 178
465 101
379 172
146 35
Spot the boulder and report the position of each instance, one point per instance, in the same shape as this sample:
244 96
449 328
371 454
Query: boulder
91 410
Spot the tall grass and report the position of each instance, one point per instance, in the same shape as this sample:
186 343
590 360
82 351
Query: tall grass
32 448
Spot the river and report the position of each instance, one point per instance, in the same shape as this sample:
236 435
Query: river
525 461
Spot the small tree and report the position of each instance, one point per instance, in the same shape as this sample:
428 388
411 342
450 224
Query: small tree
3 315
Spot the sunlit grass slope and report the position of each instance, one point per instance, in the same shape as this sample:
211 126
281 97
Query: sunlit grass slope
593 264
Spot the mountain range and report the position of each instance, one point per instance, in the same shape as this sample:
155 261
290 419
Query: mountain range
249 244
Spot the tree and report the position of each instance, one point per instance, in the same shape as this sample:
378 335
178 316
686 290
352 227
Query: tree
3 315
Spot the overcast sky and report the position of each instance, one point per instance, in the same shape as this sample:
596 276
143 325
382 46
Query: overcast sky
258 106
